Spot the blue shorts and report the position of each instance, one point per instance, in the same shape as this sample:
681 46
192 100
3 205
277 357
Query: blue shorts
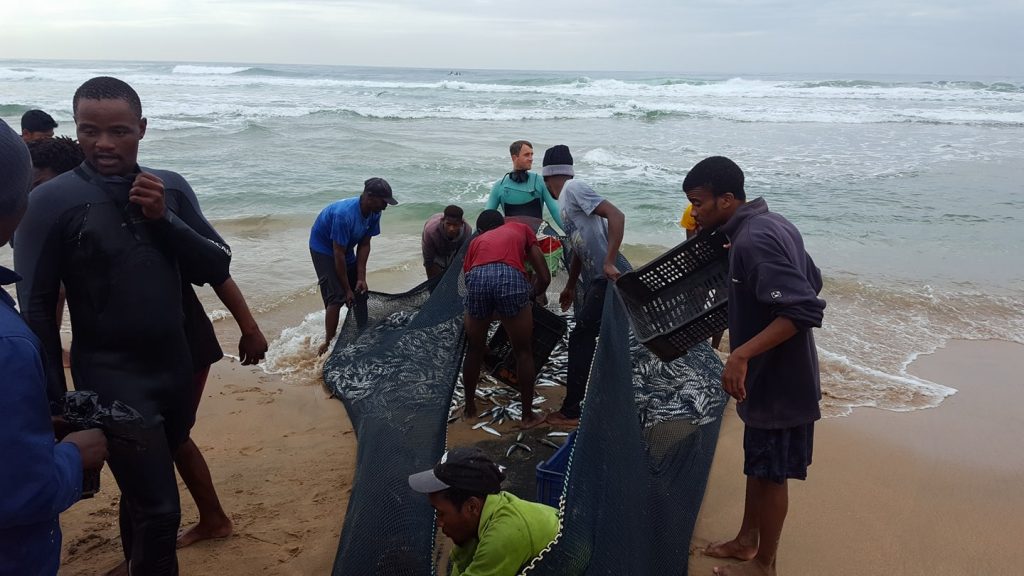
777 455
496 288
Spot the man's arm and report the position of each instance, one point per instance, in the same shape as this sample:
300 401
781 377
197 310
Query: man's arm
542 276
494 200
551 203
569 292
341 269
503 548
429 252
362 257
39 479
252 347
203 255
734 375
37 258
616 228
790 297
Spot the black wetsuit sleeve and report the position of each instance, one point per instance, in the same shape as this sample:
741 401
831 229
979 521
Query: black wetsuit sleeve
203 256
37 259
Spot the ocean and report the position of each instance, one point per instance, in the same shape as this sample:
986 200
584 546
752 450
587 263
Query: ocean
907 190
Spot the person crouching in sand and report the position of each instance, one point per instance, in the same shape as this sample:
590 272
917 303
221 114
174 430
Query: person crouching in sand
496 286
494 532
772 370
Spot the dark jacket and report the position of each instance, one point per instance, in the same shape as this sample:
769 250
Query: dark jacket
771 276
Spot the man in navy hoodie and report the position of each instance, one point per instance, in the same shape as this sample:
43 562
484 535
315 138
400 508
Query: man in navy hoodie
772 370
39 478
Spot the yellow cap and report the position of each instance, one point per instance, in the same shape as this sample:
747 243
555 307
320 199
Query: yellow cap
687 220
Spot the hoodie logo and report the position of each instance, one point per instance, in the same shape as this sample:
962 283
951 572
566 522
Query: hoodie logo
776 294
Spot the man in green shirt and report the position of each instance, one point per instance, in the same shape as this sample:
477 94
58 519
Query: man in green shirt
495 533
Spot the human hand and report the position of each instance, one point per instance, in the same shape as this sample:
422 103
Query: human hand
61 428
361 287
92 446
350 298
734 377
148 193
566 296
611 272
252 347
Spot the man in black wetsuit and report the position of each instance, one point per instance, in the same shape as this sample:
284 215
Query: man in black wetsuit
122 238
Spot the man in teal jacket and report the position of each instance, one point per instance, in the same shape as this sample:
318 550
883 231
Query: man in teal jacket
521 192
494 532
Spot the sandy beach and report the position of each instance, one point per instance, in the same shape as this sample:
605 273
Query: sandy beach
934 492
926 492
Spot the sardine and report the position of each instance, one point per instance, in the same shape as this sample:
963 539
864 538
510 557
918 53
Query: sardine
490 430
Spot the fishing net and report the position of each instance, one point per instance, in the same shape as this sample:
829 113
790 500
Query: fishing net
636 473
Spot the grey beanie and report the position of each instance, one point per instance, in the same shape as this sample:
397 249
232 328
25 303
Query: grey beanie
558 161
15 170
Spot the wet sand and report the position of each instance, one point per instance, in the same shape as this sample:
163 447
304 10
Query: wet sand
934 492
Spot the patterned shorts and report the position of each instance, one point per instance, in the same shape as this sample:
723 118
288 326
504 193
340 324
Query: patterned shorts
778 454
495 288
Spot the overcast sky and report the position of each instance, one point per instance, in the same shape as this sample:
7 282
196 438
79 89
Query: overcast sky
931 37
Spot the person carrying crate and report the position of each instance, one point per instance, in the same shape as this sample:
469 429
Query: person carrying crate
595 228
772 370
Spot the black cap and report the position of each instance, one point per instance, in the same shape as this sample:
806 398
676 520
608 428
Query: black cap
37 121
379 188
557 161
467 469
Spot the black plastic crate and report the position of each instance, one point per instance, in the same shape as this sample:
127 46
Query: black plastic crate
680 298
548 330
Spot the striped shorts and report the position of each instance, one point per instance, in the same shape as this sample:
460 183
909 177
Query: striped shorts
494 288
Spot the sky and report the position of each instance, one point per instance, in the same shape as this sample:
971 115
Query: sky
926 37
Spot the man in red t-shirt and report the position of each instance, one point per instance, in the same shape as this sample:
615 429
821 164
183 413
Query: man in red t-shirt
497 289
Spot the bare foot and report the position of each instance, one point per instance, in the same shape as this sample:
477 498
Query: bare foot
731 549
560 420
531 420
119 570
470 411
323 348
202 531
748 568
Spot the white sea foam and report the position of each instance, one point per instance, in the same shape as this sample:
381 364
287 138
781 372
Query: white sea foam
193 69
293 353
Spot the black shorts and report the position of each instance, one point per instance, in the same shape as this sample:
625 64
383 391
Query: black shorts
327 278
778 455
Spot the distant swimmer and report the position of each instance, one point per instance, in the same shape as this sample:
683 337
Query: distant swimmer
37 125
443 235
497 288
772 370
339 244
595 228
138 234
493 531
521 192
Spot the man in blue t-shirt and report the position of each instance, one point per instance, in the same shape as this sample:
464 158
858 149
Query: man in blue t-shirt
339 244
